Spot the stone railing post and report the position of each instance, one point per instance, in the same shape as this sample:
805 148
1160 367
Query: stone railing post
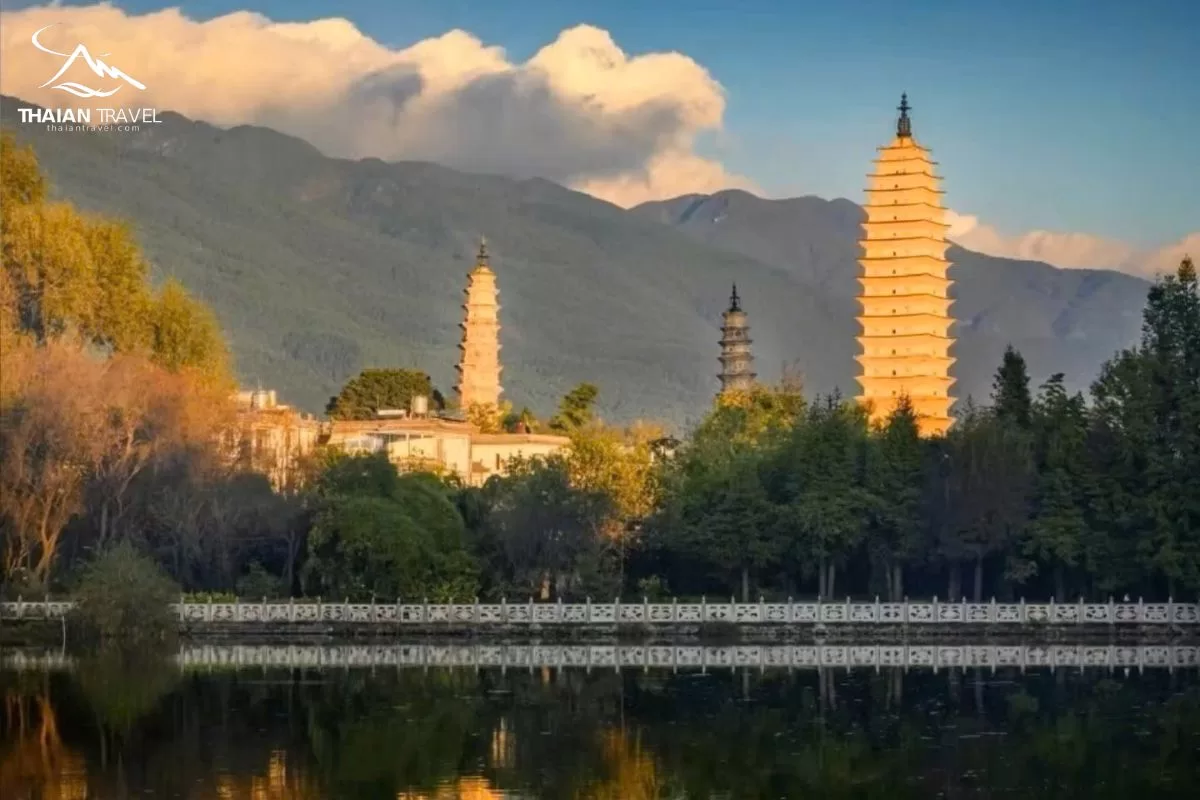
503 610
425 610
674 609
1022 616
587 609
905 617
291 609
1051 619
1141 612
530 609
703 609
992 611
847 609
1080 611
262 610
1170 610
645 610
877 618
617 610
475 612
789 611
762 609
937 612
237 609
1112 611
20 607
559 612
345 609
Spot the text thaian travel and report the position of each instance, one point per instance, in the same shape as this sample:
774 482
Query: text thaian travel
91 116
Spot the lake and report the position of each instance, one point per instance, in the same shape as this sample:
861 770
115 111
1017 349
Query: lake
603 722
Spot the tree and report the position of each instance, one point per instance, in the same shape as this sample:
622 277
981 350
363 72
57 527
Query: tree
185 334
542 535
124 596
825 505
377 537
1058 523
1010 390
575 409
986 475
1146 433
894 479
21 179
375 389
46 445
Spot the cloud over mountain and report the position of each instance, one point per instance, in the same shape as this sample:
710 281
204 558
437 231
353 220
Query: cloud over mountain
579 112
1071 250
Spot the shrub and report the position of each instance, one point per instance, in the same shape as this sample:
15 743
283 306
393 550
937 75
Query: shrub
258 583
125 597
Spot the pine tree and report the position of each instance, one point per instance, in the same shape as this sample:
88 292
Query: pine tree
1010 390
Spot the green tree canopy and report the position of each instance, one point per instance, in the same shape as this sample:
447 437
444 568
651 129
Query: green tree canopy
379 534
1010 389
375 389
72 273
576 409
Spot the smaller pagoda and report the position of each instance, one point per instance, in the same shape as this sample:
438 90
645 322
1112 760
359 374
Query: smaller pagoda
737 360
479 365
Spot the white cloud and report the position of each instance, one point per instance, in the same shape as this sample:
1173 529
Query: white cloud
580 111
1071 250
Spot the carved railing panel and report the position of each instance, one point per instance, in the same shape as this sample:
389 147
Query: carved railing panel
760 613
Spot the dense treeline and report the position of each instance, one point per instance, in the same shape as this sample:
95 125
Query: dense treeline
116 426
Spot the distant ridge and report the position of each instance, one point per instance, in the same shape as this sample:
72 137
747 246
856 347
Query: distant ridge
319 266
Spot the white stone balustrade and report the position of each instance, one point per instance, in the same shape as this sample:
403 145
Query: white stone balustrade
689 656
658 613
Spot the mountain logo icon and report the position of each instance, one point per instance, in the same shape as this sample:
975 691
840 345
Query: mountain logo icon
101 70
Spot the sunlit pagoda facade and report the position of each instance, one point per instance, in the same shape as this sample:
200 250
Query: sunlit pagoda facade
479 366
905 320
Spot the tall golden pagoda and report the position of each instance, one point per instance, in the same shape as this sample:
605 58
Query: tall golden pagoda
905 292
479 366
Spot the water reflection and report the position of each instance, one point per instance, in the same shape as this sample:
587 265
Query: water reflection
113 728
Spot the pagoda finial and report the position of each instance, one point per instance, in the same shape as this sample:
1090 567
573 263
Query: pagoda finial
735 302
904 124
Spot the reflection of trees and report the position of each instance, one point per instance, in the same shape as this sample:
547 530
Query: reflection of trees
34 761
442 734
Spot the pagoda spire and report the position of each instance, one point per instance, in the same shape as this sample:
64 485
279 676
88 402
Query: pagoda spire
904 124
479 365
737 359
905 321
481 258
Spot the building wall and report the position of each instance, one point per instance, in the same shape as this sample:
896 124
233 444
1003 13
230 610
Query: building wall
454 447
274 440
490 453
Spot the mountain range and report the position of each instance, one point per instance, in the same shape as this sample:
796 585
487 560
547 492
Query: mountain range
318 267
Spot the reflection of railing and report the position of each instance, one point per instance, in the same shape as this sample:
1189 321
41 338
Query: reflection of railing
530 613
911 656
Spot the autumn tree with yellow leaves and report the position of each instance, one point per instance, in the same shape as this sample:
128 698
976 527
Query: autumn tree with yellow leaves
102 376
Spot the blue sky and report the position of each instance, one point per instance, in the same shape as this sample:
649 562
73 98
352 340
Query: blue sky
1061 114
